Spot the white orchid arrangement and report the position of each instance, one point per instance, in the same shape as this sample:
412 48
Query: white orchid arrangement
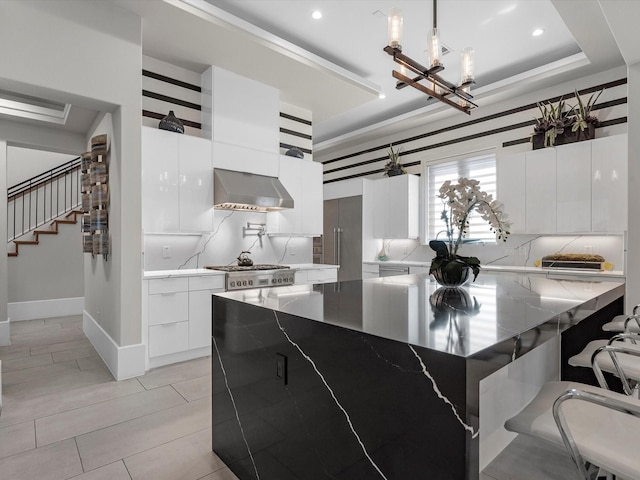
461 200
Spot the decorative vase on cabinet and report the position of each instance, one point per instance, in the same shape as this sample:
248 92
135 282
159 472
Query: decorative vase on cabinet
171 123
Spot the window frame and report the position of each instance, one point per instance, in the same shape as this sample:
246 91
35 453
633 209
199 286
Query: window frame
465 164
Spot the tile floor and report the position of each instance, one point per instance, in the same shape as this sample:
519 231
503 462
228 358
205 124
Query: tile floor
65 417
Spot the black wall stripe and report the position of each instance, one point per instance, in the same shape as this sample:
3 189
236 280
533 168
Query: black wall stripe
296 134
295 119
372 172
173 81
606 123
505 113
173 100
187 123
287 146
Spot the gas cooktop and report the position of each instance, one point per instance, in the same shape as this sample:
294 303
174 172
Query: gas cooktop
239 268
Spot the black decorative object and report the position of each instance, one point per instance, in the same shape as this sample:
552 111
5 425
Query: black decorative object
294 152
171 123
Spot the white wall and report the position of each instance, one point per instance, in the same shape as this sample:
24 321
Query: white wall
4 290
54 269
25 163
89 53
633 237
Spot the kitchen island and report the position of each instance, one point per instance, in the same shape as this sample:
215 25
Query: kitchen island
390 378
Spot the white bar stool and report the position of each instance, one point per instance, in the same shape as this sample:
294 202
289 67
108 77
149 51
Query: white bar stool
619 356
597 427
624 323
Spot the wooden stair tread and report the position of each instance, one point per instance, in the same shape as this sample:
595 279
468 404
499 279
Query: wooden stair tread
26 242
66 221
45 232
13 254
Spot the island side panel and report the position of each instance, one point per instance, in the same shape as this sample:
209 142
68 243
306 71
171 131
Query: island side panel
354 406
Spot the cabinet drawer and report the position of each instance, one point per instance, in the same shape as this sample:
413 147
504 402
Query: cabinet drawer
168 285
168 338
206 282
168 308
322 275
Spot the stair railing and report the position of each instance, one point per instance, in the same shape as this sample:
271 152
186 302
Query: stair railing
43 198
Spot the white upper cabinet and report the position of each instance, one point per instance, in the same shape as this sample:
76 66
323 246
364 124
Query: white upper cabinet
395 207
303 181
177 182
576 188
573 187
511 189
609 184
244 123
540 190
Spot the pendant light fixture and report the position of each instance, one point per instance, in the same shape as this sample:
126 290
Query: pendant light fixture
427 79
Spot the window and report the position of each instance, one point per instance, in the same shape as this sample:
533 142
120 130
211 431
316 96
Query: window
481 167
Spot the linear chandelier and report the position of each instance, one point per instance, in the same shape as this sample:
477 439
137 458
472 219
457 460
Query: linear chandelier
427 80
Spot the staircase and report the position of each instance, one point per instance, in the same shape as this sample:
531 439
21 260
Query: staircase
70 218
39 205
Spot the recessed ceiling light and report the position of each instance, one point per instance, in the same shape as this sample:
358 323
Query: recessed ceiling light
537 32
317 14
381 96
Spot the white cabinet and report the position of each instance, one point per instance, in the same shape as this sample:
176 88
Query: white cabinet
316 275
540 188
160 180
177 182
395 207
303 181
178 316
245 112
244 122
609 184
414 269
511 173
370 270
200 290
573 188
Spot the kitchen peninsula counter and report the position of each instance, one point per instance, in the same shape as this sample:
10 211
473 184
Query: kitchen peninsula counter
383 378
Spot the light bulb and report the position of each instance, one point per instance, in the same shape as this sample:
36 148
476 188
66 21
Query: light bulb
434 48
467 65
395 27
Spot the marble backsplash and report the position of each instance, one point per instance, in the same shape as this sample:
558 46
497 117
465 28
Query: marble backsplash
518 250
223 245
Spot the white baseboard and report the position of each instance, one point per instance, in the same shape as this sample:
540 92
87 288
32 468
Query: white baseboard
123 362
59 307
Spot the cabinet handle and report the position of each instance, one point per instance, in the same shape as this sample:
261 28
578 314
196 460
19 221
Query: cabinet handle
166 294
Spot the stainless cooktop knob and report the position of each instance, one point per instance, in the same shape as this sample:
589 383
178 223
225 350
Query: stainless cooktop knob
250 282
232 283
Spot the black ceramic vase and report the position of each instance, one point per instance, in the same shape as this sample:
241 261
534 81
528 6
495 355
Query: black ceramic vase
171 123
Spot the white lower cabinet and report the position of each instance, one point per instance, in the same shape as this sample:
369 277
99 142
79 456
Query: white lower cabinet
316 275
168 338
178 316
370 270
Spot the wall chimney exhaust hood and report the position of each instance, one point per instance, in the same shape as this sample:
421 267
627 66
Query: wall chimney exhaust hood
248 192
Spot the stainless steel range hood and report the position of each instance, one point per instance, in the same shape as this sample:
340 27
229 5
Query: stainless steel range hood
248 191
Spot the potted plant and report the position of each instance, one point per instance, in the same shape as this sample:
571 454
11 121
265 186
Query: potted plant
393 166
584 123
460 200
550 128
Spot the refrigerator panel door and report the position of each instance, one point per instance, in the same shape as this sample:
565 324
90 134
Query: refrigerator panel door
350 225
331 219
